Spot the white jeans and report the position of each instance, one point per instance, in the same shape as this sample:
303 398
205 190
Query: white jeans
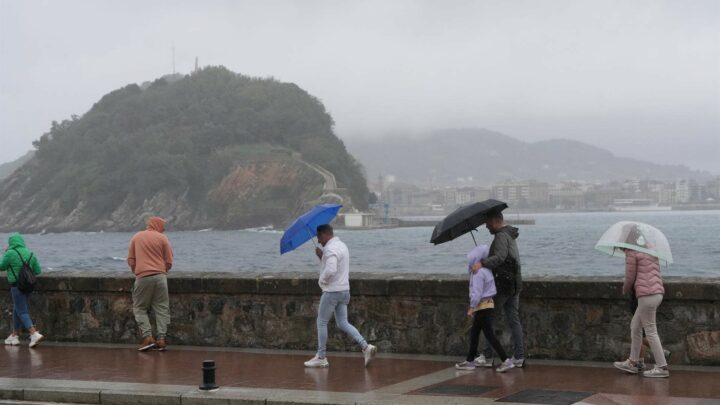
644 318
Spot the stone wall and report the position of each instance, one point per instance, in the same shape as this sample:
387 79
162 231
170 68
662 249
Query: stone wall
578 319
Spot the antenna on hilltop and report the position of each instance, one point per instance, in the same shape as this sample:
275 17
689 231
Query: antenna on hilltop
173 59
196 64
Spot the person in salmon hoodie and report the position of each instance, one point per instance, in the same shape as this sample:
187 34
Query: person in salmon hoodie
150 257
642 273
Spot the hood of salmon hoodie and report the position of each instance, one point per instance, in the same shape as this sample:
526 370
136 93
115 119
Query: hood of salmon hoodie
156 224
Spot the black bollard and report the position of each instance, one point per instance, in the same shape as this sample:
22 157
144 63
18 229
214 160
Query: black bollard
208 369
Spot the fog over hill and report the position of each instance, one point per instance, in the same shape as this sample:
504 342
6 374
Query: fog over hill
483 157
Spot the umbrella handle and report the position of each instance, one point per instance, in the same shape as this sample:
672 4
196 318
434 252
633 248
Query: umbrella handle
313 241
307 228
473 236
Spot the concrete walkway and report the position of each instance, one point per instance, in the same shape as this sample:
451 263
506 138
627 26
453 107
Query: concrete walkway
118 374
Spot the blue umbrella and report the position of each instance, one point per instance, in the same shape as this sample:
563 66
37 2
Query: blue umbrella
305 226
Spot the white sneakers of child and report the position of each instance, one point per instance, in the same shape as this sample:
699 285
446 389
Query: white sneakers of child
505 366
481 361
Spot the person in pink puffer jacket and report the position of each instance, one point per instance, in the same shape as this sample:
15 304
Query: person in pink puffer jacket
642 273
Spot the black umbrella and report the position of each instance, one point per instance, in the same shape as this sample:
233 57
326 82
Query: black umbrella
465 219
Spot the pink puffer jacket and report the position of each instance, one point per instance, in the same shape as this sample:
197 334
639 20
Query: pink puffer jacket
642 272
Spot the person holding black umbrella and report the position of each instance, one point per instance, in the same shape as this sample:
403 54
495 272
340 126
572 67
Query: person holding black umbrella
504 261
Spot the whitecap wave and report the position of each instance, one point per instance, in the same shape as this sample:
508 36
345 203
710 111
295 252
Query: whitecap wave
263 229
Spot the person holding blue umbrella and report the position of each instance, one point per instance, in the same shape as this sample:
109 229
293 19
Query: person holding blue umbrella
334 277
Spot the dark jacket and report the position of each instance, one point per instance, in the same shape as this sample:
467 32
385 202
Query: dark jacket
502 247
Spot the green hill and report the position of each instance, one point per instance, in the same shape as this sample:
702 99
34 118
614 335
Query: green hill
213 149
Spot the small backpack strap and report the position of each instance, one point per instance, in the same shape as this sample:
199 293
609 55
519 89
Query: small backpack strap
21 259
13 272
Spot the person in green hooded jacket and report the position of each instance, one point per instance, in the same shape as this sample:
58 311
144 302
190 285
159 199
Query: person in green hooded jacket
12 262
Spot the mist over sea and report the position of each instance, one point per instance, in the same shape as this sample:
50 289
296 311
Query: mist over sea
557 245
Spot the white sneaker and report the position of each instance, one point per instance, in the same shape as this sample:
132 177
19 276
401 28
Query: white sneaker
35 339
369 354
626 366
13 340
466 366
505 366
519 363
317 362
481 361
657 372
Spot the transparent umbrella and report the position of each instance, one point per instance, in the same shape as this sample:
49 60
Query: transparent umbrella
636 236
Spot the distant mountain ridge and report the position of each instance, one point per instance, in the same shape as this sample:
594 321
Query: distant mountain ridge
443 157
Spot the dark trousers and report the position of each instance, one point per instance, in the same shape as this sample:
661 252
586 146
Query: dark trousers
482 321
510 306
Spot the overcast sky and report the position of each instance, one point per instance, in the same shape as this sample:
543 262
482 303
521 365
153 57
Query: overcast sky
641 78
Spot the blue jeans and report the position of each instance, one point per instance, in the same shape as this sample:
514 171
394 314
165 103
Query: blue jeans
510 306
335 303
21 315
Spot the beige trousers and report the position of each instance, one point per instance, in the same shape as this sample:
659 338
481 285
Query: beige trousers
151 293
644 318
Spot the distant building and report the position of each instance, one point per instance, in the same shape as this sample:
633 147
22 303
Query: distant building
688 191
523 194
412 200
665 194
638 204
712 188
567 196
455 197
357 219
602 196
